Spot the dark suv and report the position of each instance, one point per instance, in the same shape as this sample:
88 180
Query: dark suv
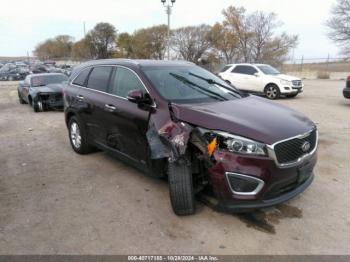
177 120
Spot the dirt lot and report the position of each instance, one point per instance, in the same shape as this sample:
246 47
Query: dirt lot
55 201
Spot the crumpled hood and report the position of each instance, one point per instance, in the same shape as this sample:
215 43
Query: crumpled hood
251 117
51 88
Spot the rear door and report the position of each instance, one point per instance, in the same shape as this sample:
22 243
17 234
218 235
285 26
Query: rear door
94 97
125 121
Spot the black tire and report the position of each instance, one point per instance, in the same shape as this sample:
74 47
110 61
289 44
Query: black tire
84 147
181 188
21 101
37 105
292 95
272 92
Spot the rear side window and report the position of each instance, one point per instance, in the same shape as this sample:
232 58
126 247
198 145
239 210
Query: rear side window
246 70
99 78
124 81
225 68
80 79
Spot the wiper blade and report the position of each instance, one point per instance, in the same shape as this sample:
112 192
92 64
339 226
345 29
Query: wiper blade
202 89
213 82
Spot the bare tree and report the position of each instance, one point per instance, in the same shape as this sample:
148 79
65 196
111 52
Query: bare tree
339 25
266 46
255 33
190 43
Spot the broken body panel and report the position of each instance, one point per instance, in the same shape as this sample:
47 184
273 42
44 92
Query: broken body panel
175 129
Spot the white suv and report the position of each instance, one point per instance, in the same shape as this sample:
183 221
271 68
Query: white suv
260 78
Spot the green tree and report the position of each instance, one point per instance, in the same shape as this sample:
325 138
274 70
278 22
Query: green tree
101 40
81 50
59 47
225 42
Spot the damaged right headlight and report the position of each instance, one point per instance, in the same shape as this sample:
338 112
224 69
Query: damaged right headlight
240 145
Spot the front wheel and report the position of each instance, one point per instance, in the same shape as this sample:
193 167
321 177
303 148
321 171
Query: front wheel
272 92
37 105
181 188
77 136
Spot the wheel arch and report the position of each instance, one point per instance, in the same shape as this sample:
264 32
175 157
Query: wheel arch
69 114
270 84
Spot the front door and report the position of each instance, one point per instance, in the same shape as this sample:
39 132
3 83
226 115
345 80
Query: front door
126 123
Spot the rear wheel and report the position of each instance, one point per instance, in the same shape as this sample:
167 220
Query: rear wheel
272 92
181 187
21 101
77 136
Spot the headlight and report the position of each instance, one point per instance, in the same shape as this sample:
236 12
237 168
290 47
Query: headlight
285 82
241 145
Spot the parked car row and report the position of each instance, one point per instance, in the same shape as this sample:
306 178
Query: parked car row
179 121
19 70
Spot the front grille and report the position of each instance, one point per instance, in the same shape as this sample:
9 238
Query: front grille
291 150
296 82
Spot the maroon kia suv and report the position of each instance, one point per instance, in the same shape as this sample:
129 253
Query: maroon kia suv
179 121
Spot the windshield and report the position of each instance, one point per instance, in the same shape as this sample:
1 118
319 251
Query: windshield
189 84
44 80
269 70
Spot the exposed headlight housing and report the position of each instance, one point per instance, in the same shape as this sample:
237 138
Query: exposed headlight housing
240 145
285 82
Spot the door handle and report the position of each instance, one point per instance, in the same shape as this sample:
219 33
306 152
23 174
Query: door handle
80 97
110 107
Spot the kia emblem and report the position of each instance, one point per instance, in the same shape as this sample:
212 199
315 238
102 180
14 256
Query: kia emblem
305 146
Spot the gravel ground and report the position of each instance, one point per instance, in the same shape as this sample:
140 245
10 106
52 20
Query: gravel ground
53 201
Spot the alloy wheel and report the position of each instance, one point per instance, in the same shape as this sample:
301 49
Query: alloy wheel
271 92
75 135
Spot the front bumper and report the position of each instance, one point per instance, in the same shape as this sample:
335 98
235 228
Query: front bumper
346 92
280 184
52 100
288 90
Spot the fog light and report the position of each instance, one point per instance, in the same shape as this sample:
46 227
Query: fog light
243 184
287 88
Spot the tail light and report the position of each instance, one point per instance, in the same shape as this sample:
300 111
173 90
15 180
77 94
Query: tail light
348 78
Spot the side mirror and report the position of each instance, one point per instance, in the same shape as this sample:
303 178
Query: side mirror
135 96
257 74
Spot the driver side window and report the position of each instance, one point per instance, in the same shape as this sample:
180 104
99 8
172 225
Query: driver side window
124 81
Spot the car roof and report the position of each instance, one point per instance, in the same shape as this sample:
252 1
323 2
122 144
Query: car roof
133 63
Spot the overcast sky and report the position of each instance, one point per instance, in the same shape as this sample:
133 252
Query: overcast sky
24 23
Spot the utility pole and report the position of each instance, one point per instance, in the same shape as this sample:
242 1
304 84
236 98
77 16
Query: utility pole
84 29
168 8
